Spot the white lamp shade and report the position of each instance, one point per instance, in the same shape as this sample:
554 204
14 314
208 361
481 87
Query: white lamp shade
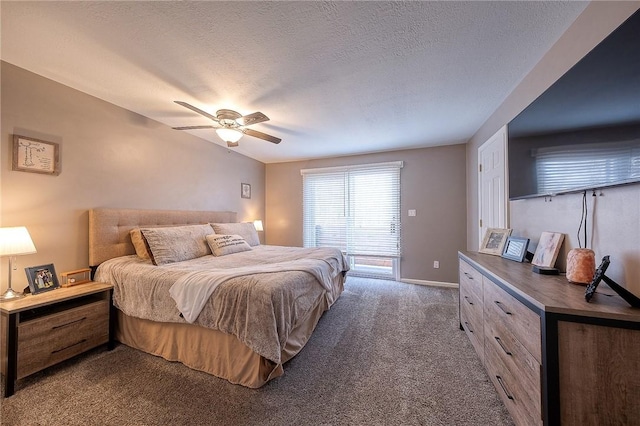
229 135
258 225
15 241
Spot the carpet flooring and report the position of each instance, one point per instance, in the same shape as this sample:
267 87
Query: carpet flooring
386 353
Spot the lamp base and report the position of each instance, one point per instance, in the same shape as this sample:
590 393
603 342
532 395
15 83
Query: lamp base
11 294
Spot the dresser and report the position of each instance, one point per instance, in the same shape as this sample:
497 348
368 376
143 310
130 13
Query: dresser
553 358
41 330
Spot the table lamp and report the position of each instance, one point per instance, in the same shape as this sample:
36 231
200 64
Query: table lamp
258 225
13 242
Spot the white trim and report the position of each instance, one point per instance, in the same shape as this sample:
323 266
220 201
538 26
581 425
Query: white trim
399 164
429 283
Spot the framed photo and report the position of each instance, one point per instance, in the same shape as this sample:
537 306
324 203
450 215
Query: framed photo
515 248
494 241
35 156
245 190
548 249
42 278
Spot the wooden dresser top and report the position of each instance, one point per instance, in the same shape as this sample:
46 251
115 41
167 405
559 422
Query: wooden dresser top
551 293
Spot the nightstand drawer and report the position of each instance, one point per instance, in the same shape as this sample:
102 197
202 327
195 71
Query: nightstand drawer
48 340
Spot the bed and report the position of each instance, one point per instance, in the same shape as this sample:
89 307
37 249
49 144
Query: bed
239 315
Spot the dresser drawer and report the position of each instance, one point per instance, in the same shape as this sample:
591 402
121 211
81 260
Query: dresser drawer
524 409
471 279
515 317
513 354
48 340
472 322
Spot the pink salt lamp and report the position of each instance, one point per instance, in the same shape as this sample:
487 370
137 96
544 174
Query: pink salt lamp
581 265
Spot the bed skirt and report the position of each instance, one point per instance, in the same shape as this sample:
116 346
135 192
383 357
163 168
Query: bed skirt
215 352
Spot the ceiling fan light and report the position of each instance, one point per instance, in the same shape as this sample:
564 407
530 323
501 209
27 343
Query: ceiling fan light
229 135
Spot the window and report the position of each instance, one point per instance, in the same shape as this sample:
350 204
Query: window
356 209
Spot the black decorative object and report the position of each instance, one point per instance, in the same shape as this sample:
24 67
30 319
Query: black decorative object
543 270
629 297
515 248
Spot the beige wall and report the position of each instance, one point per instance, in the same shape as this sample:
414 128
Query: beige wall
111 157
433 183
617 213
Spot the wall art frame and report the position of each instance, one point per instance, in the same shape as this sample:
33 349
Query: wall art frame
35 156
245 190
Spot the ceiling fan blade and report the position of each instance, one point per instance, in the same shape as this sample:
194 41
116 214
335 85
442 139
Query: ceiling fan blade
198 110
248 120
194 127
261 135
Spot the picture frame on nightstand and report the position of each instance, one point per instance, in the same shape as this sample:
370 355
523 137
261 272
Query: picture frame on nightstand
42 278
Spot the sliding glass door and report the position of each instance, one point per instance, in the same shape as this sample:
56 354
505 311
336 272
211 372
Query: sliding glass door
357 209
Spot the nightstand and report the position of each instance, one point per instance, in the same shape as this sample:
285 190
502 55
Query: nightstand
44 329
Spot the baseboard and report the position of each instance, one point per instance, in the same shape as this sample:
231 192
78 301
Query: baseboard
429 283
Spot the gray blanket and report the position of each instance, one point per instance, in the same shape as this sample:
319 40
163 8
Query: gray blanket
259 309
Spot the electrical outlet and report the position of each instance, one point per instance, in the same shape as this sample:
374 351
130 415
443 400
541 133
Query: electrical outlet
412 212
436 264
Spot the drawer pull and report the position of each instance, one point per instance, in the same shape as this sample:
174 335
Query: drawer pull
468 328
467 299
504 388
70 346
502 308
502 345
69 323
468 275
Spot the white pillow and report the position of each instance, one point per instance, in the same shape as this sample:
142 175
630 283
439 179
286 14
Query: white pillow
245 229
222 245
177 243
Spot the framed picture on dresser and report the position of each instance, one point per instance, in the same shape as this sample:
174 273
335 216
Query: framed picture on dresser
494 241
515 248
547 249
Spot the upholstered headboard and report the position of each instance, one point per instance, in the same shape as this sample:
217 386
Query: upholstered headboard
109 228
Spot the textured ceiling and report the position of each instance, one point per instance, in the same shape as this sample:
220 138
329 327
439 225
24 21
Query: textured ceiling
336 78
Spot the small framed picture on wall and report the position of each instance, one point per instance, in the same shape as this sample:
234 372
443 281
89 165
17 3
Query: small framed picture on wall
245 190
35 156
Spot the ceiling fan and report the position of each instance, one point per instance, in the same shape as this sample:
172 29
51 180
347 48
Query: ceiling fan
231 125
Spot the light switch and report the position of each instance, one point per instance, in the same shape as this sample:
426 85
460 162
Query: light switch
412 212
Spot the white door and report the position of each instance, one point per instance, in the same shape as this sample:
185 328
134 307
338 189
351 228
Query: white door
492 183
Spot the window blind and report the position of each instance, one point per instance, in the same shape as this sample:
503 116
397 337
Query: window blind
354 208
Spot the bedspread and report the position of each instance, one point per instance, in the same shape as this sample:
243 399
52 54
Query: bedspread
259 309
